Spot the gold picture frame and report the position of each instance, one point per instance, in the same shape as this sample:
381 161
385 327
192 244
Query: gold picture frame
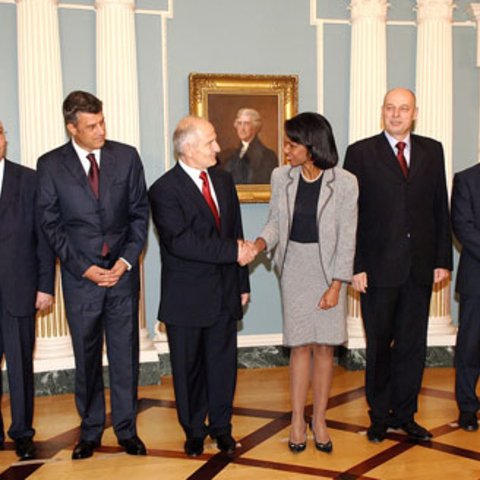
218 97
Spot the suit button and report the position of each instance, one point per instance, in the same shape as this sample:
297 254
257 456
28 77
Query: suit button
408 235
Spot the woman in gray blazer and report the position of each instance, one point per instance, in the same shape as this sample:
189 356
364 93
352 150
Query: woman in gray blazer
312 226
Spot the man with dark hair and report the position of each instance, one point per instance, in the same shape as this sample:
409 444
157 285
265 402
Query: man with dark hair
252 162
404 245
27 272
93 208
196 211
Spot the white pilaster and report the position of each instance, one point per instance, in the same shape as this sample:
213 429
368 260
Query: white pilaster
368 85
117 87
434 90
474 12
368 66
42 129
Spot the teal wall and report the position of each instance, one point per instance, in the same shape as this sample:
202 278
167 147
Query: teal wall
255 37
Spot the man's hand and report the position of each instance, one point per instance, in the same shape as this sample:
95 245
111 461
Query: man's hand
246 252
119 268
440 274
330 297
43 300
245 297
360 283
102 277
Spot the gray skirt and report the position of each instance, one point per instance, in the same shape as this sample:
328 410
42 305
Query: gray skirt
303 285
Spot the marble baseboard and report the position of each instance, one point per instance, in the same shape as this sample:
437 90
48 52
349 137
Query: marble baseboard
354 359
63 381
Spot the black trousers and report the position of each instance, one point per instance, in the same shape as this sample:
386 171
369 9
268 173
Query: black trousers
467 354
17 340
204 367
117 318
396 323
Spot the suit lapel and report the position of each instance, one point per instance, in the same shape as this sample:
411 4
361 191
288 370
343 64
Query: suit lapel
326 191
387 155
219 187
74 166
10 188
291 189
415 156
107 171
191 190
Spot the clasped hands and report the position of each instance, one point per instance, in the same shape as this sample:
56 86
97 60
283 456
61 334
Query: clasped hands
106 277
247 251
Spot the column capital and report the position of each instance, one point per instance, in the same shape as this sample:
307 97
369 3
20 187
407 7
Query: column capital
369 9
437 10
37 2
115 3
473 11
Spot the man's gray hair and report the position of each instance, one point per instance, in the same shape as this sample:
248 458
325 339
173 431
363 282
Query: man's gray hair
253 114
186 132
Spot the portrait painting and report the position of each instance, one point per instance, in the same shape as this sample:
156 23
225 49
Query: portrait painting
248 113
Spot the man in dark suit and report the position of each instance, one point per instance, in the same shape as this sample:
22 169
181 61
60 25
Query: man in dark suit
196 211
93 209
27 272
252 162
403 247
466 226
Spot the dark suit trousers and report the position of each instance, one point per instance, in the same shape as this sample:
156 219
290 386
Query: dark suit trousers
17 340
467 354
117 316
204 367
396 323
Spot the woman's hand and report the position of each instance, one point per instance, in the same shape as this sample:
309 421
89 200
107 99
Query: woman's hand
330 297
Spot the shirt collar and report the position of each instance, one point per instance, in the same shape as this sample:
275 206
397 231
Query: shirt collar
393 141
83 153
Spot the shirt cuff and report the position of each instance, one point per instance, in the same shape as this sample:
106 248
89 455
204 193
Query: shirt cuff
129 267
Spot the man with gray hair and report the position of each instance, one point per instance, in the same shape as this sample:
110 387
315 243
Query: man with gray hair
252 162
203 288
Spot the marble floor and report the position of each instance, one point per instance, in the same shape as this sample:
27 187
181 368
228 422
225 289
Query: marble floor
261 426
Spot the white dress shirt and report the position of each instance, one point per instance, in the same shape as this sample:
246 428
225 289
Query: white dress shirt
82 155
194 174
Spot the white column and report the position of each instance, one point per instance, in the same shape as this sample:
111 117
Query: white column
434 90
117 87
368 67
368 85
42 129
474 12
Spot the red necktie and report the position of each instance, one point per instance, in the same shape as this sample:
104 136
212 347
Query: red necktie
401 157
93 175
208 197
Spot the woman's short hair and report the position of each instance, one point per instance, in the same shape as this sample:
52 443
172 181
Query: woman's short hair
313 131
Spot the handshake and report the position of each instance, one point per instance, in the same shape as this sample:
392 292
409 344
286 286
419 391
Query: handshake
247 251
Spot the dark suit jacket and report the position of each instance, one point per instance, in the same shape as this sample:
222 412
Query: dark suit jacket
200 274
76 224
466 226
255 167
27 264
403 224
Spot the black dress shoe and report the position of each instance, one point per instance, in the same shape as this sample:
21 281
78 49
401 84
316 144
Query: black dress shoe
377 432
226 443
25 448
133 445
468 421
298 447
84 449
194 447
416 432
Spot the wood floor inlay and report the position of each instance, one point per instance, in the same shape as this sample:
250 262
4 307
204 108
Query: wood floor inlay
261 419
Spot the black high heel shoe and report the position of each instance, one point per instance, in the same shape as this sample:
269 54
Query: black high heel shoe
322 447
298 447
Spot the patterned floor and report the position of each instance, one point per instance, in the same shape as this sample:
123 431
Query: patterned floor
261 420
